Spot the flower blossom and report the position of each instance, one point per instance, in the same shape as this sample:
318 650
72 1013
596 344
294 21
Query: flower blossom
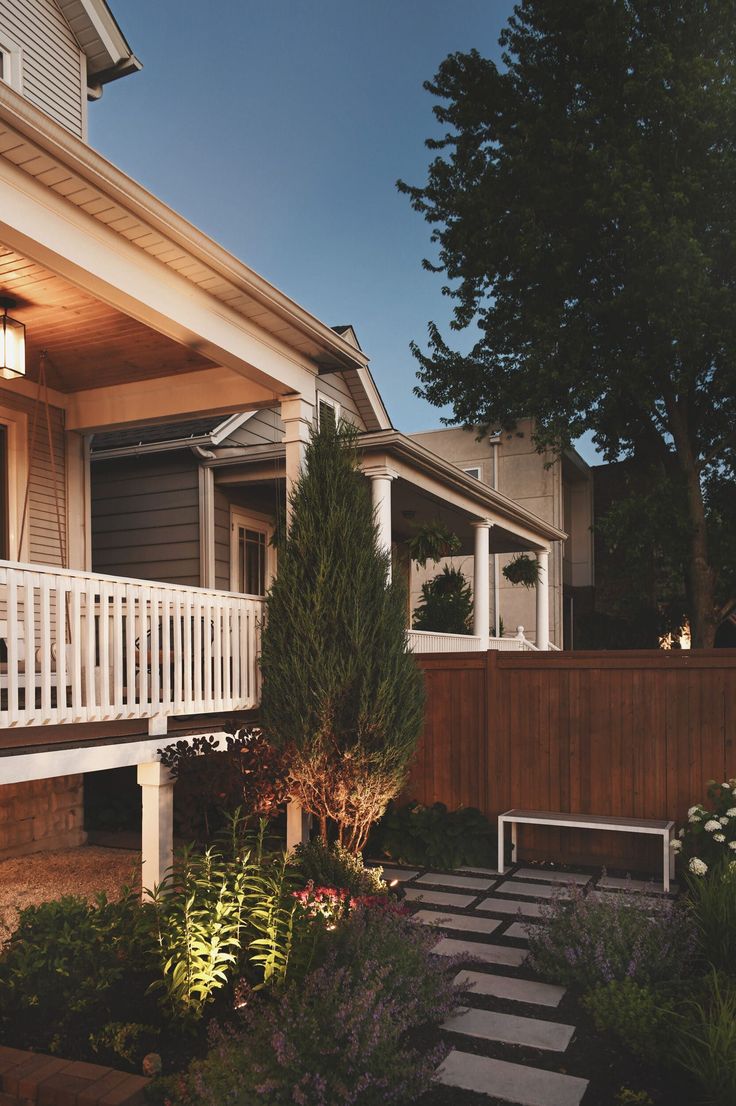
719 837
723 820
698 867
731 813
712 825
676 846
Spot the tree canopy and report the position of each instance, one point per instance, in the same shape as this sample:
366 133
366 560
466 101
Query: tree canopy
583 202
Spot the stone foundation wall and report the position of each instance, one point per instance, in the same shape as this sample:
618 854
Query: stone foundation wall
42 814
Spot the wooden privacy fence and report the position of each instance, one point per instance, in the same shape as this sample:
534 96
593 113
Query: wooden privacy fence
635 734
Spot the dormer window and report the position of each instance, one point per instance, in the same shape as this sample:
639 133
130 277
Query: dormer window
10 69
328 411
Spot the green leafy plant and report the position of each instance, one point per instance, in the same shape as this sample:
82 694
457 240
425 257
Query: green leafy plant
446 604
636 1014
340 691
706 1043
708 840
588 942
712 904
433 836
71 967
627 1097
431 542
523 570
334 866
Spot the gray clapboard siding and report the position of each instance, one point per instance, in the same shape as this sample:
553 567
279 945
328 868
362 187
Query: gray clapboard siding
145 518
51 62
262 428
222 540
335 387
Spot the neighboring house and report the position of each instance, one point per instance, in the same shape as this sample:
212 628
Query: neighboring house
130 603
558 490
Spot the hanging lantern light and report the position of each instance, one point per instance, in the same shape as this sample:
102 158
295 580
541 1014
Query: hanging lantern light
12 345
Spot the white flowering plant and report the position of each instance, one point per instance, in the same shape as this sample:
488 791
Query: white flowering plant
708 839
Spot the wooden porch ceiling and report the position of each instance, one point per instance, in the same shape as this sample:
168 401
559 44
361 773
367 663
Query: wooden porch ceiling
89 344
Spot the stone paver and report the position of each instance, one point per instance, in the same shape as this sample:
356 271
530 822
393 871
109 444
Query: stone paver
469 882
619 884
511 906
489 954
480 871
534 890
581 878
509 1029
512 1082
469 923
636 898
521 930
515 990
437 898
401 874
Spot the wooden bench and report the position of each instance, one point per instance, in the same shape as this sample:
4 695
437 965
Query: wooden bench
515 817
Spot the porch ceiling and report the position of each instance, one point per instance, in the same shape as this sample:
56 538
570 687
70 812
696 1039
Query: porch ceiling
89 344
412 506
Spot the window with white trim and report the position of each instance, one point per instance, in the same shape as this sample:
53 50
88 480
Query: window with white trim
251 553
10 62
328 411
475 471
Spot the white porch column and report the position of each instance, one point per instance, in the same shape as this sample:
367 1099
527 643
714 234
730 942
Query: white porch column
542 638
380 477
482 578
297 414
157 786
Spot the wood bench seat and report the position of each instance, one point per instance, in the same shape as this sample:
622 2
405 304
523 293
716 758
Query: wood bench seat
658 827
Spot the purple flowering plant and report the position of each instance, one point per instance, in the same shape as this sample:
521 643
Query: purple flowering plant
590 941
347 1034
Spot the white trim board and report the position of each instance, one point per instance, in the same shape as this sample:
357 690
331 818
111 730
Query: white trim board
25 767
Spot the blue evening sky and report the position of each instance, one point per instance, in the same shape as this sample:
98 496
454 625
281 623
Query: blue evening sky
280 127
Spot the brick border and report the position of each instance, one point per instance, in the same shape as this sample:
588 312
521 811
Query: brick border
34 1079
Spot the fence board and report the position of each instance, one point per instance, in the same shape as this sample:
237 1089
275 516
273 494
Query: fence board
634 734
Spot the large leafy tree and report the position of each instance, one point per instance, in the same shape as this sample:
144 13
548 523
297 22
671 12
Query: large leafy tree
583 200
341 694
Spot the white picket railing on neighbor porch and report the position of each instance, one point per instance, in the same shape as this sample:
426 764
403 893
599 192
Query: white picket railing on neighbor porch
426 641
82 647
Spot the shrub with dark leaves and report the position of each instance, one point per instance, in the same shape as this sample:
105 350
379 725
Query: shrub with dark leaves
334 866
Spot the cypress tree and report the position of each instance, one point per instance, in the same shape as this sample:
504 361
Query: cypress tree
340 690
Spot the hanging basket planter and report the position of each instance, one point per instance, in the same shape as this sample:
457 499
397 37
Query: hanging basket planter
522 570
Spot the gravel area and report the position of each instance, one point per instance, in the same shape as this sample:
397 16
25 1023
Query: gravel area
29 880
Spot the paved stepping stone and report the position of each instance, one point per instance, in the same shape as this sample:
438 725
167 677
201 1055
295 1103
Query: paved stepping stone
521 930
473 884
534 890
553 877
401 874
437 898
516 990
511 906
480 871
636 898
489 954
619 884
511 1082
509 1029
467 922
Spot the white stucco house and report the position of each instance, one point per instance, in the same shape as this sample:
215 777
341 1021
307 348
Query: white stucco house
120 623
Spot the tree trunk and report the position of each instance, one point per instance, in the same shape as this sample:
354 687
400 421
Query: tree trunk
703 622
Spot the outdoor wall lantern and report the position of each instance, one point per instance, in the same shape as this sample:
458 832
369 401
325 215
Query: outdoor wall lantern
12 345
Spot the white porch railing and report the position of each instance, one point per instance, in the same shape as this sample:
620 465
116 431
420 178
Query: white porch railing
426 641
81 647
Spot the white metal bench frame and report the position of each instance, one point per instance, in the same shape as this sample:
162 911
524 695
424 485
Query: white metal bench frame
665 830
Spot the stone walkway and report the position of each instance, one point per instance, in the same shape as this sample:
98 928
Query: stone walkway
505 1009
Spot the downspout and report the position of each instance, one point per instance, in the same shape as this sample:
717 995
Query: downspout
495 441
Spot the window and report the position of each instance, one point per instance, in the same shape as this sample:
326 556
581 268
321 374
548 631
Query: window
10 62
250 554
328 411
474 472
